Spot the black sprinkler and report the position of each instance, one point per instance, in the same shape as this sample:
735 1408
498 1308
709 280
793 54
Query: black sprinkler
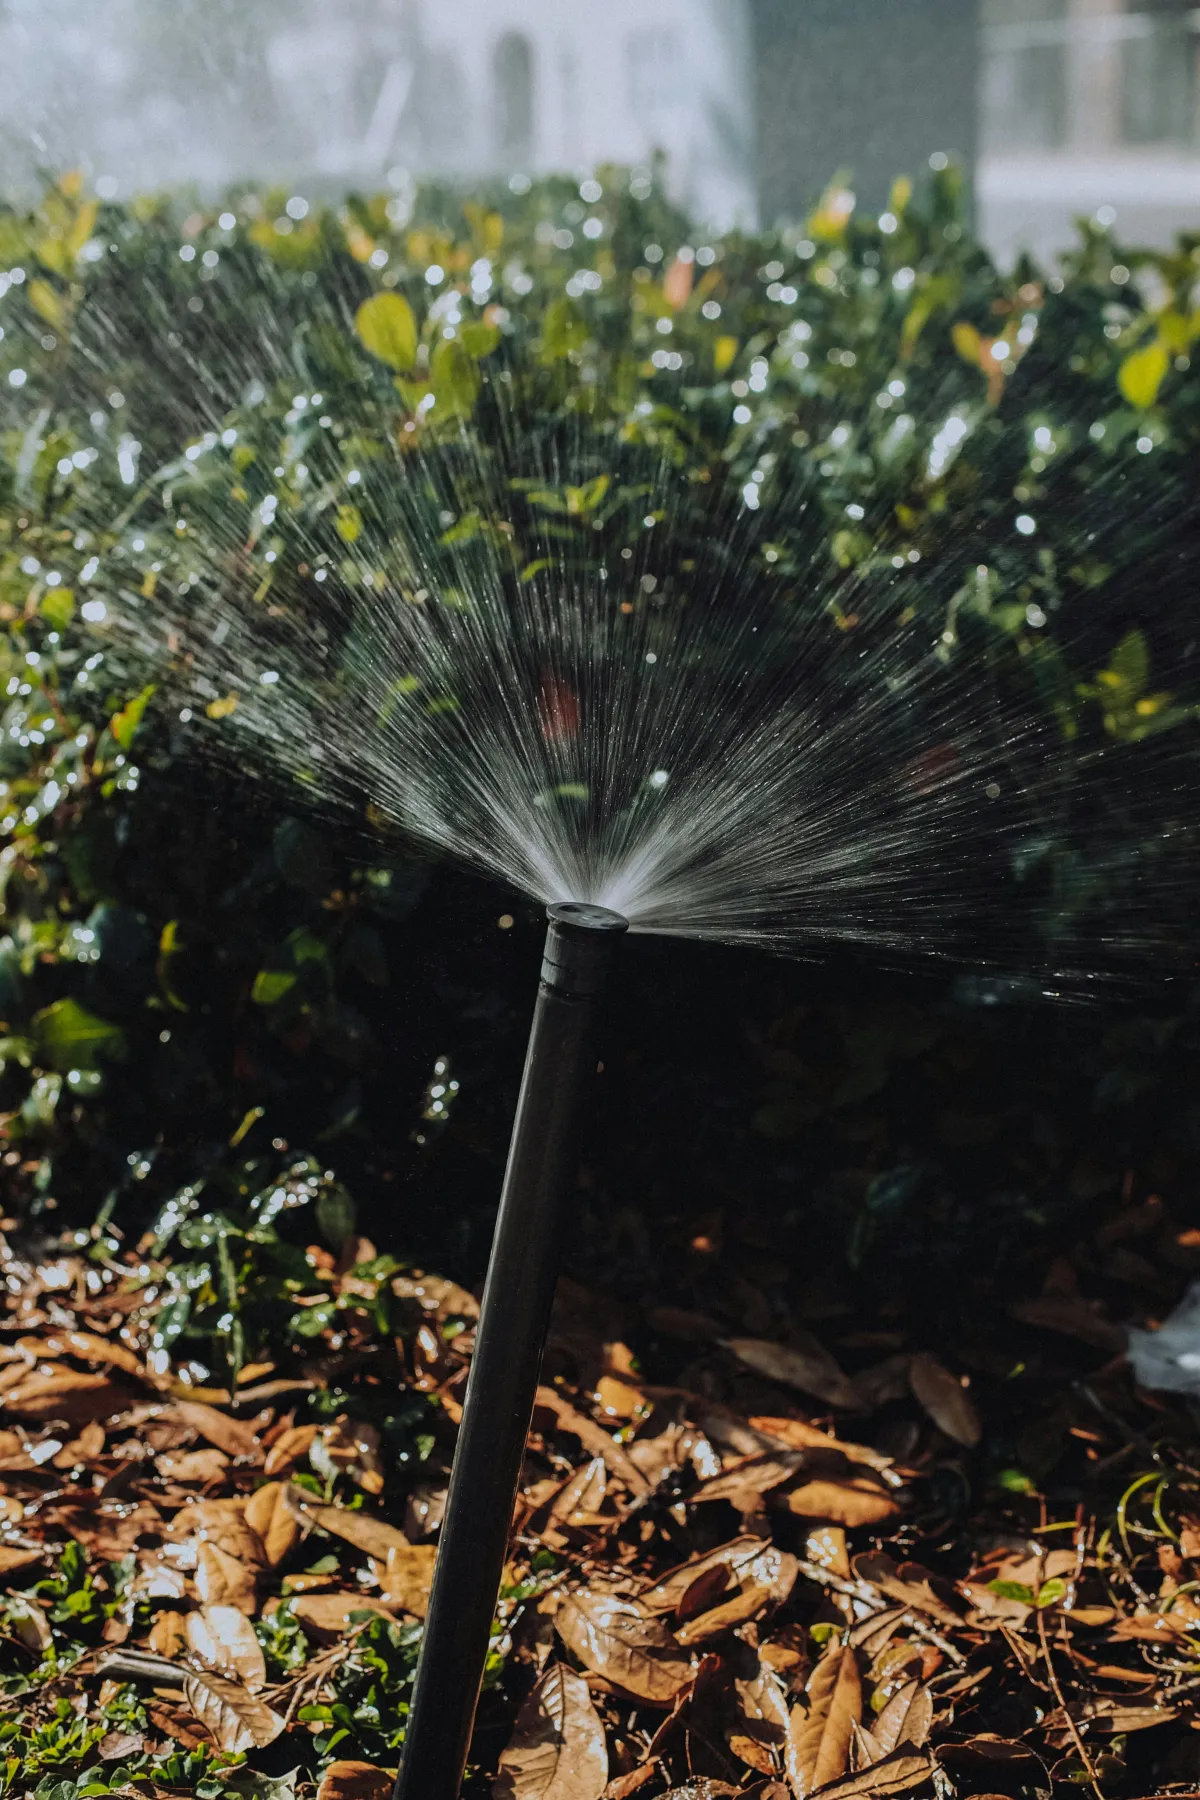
511 1335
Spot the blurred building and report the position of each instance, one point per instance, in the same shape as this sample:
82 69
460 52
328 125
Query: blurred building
1087 105
1053 106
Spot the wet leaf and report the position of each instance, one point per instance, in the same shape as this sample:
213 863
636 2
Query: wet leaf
67 1395
615 1638
224 1638
557 1750
375 1536
733 1560
906 1719
944 1399
895 1774
752 1475
407 1577
223 1580
1142 373
236 1719
329 1616
387 325
355 1781
233 1436
272 1520
288 1449
820 1730
909 1583
808 1367
859 1499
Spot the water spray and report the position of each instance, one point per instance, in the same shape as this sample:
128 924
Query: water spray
513 1324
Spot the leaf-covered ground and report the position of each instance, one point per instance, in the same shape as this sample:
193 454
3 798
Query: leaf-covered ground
753 1573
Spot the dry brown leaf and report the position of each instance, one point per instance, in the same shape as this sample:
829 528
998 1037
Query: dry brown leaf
910 1584
168 1634
860 1499
760 1730
233 1436
766 1581
236 1718
615 1638
87 1447
223 1637
751 1598
375 1536
1073 1316
733 1559
272 1520
192 1465
895 1774
906 1719
288 1449
355 1781
557 1750
223 1523
752 1475
14 1557
1110 1718
91 1347
595 1439
67 1395
224 1580
807 1366
326 1617
618 1399
820 1729
407 1577
945 1399
826 1547
798 1435
349 1447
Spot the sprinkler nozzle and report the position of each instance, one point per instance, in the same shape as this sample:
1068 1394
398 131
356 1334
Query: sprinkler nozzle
578 947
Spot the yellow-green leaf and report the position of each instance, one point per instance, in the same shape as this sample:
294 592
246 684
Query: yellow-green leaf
71 1037
1141 374
124 724
967 342
349 523
479 338
564 330
455 378
387 326
724 351
58 607
47 303
270 986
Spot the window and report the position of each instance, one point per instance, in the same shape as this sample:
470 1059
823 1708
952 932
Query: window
1024 80
512 91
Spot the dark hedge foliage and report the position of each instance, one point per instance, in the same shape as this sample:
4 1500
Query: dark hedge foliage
200 990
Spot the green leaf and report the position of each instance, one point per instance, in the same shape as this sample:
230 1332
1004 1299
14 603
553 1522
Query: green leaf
479 338
335 1215
455 377
58 607
1011 1590
1141 374
564 330
1129 669
124 724
71 1037
349 523
270 985
387 326
1050 1591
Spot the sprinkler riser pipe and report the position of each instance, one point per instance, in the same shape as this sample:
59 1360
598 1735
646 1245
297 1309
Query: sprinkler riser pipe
513 1323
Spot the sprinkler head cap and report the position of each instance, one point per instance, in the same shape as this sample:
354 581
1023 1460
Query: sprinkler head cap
580 915
579 945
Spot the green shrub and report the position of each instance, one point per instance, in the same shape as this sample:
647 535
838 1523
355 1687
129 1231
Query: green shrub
192 976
